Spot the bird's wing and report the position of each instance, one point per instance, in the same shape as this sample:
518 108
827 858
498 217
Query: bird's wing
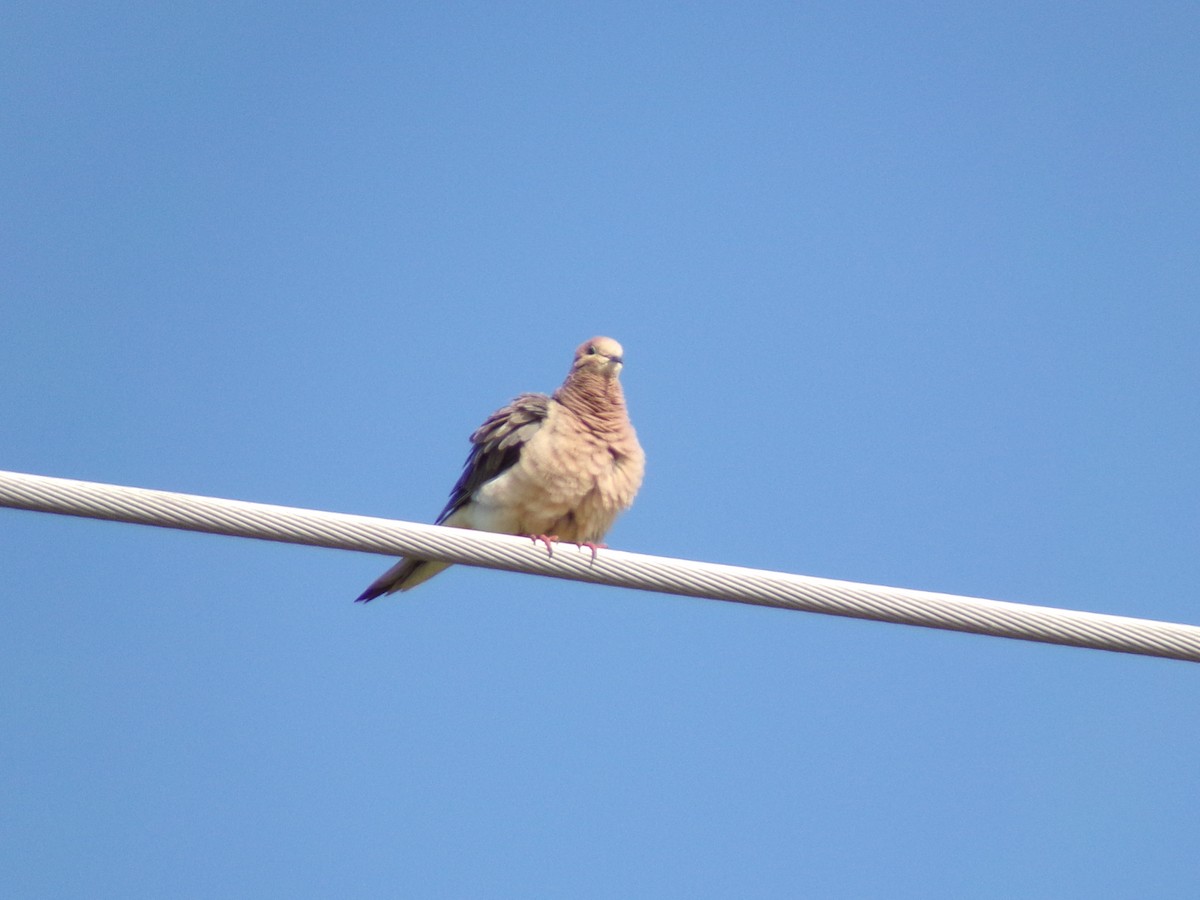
496 445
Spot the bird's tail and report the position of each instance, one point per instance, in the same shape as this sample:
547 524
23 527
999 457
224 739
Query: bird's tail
403 576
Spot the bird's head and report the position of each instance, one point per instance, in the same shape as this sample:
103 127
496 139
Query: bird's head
601 355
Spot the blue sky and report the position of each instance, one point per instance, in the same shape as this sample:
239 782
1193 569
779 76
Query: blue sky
908 294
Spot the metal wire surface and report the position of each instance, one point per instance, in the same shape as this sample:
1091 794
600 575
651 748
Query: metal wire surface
612 567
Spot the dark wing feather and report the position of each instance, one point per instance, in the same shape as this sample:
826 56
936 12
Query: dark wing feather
496 445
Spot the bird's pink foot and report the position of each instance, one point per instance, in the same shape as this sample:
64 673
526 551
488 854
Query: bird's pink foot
591 545
547 539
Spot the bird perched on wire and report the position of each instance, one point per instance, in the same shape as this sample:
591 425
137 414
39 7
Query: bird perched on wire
561 467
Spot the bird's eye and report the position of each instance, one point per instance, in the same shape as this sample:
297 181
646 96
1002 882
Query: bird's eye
591 351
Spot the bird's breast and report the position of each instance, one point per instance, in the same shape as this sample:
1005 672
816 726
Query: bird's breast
570 483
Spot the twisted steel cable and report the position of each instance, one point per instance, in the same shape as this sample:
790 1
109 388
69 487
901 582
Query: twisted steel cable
612 567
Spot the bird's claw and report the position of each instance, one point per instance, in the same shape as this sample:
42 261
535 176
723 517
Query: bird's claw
591 545
547 539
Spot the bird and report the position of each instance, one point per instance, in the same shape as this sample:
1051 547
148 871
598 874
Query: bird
552 468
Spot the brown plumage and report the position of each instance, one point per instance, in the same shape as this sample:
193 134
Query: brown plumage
563 466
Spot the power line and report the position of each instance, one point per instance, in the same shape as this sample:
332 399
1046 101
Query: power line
612 567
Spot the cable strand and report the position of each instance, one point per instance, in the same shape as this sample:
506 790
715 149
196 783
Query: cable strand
759 587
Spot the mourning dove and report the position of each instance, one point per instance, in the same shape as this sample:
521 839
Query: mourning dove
552 468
